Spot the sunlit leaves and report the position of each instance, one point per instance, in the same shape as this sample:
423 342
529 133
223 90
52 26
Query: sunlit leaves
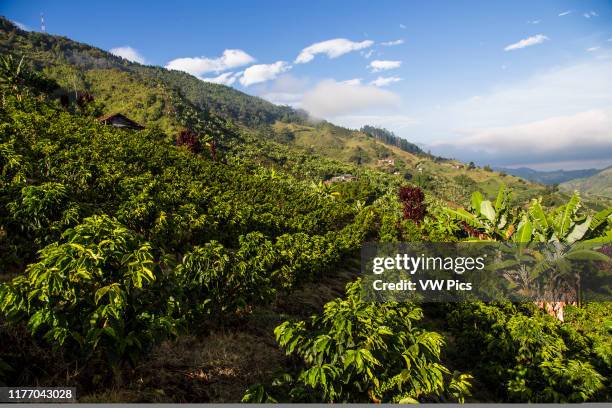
97 287
359 351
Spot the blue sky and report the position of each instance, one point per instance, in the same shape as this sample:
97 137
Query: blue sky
505 83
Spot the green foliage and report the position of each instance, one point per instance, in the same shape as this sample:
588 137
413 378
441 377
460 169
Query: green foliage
566 224
111 211
42 212
523 354
97 290
493 219
358 351
500 221
213 281
17 78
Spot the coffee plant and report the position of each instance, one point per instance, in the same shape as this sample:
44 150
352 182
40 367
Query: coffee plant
359 351
96 291
523 354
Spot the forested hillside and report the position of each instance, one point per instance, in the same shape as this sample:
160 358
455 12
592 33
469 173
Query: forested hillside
213 257
173 100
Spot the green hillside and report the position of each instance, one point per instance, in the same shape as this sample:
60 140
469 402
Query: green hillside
172 100
549 177
599 184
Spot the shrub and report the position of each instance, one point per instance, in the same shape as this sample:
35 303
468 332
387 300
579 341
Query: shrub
521 353
413 202
359 351
189 139
98 291
216 281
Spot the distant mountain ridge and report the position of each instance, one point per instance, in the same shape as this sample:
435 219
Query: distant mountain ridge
599 184
548 177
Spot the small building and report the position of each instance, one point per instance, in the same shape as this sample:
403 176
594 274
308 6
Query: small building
341 178
120 121
389 161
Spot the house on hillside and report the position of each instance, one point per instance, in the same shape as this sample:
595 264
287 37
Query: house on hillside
389 161
341 178
120 121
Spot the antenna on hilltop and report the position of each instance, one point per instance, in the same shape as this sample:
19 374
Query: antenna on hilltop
42 22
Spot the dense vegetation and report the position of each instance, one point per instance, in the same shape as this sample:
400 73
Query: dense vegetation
118 243
389 138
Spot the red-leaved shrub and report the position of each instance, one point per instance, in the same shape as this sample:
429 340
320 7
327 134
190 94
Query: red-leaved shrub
413 201
189 139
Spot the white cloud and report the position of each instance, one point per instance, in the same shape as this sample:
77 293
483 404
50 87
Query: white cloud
565 13
201 65
392 43
284 90
554 138
384 81
227 78
534 21
527 42
590 14
367 54
329 99
283 98
332 48
382 65
559 107
591 49
402 26
558 91
21 26
263 72
354 81
129 54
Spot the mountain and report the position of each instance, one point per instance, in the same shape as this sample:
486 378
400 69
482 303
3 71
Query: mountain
548 177
173 100
599 184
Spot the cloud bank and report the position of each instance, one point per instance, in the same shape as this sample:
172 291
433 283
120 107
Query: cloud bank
557 115
330 98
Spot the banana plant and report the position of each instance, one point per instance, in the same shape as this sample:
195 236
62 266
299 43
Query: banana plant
16 77
565 224
553 241
490 220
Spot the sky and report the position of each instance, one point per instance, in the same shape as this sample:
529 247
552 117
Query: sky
514 83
